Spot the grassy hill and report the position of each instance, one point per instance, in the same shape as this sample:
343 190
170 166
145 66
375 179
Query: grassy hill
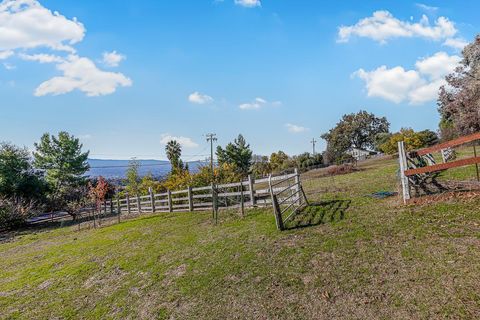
349 256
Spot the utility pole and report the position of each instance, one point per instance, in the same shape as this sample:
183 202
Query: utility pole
313 144
211 137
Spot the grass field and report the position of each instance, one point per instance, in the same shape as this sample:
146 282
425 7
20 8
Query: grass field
348 257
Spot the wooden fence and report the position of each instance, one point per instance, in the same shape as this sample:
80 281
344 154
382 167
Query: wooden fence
418 166
248 193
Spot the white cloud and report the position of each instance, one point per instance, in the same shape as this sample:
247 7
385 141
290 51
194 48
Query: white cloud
456 43
248 3
415 86
27 24
112 59
199 98
258 103
382 25
6 54
438 65
41 57
184 141
9 66
80 73
427 8
295 128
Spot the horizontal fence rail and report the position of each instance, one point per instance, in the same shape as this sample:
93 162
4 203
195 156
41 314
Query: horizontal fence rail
417 168
243 194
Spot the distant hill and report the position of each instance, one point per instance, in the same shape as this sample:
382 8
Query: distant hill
118 168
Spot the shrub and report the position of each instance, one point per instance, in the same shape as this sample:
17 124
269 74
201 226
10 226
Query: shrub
14 213
413 140
340 169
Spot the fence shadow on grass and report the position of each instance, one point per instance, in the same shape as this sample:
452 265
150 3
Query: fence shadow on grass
319 213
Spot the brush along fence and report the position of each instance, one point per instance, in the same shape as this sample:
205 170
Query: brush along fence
249 193
418 168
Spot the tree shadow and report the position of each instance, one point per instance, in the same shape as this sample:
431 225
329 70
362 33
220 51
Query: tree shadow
319 213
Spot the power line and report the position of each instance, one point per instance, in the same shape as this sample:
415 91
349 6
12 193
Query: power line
142 155
140 165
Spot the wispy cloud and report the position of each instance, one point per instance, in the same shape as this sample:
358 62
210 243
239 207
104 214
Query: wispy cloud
184 141
293 128
41 57
249 3
258 103
9 66
456 43
199 98
427 8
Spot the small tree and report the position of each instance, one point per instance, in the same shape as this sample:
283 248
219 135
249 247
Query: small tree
306 160
64 164
99 191
133 179
261 166
238 154
413 140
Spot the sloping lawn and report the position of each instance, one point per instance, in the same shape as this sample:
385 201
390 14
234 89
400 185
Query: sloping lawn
347 257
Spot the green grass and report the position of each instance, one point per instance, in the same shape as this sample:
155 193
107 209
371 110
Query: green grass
348 257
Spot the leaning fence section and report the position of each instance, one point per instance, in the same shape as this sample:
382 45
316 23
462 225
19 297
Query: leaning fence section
419 168
287 197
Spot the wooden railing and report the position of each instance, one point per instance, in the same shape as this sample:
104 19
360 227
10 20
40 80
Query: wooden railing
243 194
416 165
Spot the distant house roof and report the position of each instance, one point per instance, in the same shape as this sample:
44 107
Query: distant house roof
360 150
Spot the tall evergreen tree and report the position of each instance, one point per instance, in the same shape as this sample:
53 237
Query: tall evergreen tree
64 164
237 153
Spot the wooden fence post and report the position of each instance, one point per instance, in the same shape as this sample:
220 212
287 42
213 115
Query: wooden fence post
105 206
214 202
402 158
190 199
476 164
129 210
111 206
169 199
251 183
139 205
297 188
152 199
276 207
119 209
242 206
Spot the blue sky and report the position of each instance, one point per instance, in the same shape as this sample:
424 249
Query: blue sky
125 76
